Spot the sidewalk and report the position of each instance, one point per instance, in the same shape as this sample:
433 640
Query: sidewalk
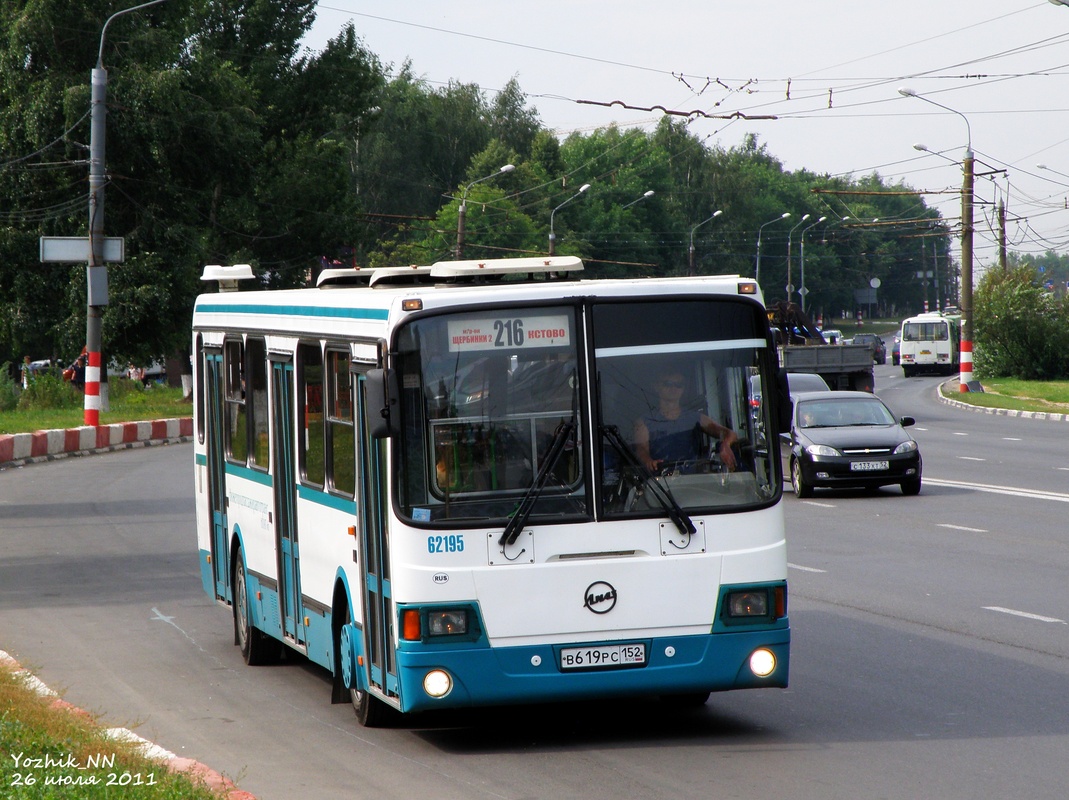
19 449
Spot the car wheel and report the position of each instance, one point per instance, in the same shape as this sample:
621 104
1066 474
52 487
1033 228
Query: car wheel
910 488
801 488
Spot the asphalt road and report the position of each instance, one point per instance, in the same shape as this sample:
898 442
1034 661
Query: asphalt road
930 654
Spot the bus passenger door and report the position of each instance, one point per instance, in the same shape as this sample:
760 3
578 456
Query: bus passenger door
285 490
375 552
213 409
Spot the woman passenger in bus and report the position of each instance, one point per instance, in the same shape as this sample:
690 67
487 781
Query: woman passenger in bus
671 435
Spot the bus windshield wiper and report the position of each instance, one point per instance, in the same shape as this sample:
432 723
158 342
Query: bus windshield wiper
662 493
534 491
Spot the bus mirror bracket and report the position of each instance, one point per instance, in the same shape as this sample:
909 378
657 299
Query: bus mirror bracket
380 396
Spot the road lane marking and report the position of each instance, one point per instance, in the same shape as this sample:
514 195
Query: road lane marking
960 433
1024 614
960 528
804 569
819 505
971 458
1013 491
1011 439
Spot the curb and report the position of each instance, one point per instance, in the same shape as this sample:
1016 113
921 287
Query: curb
216 782
1001 412
20 449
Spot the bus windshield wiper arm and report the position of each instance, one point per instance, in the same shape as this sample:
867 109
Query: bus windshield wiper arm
663 495
527 502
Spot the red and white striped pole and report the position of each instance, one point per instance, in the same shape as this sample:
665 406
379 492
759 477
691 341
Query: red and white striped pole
92 390
966 366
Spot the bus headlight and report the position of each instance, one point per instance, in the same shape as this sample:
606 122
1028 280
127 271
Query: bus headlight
437 683
762 662
448 622
748 604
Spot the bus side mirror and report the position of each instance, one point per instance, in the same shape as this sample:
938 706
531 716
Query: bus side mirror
783 407
380 402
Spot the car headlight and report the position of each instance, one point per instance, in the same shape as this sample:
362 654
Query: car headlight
822 450
906 447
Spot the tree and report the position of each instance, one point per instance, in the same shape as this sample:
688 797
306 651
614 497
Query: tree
1021 330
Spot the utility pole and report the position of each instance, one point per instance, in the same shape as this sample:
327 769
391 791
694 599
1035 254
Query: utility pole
96 249
965 376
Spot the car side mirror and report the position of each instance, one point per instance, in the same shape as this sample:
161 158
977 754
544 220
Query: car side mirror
905 422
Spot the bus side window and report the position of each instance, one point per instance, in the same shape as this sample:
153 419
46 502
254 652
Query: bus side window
256 398
310 400
341 441
237 433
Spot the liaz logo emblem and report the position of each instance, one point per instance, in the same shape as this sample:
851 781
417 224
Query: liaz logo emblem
600 597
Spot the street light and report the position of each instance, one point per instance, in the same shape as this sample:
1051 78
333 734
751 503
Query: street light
96 271
757 269
801 259
1050 169
690 251
965 376
646 194
790 286
462 212
552 236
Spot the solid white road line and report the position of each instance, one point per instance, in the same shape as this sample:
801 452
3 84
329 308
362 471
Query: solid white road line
1013 491
1024 614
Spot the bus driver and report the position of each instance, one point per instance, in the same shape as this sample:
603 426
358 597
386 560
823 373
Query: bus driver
671 433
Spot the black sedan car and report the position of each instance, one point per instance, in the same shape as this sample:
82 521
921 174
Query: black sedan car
848 439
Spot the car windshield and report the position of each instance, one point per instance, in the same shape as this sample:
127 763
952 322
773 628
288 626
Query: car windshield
835 413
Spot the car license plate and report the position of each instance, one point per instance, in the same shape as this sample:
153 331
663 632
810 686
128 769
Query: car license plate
603 656
868 466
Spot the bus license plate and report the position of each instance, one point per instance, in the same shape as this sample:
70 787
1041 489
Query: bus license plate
605 656
868 466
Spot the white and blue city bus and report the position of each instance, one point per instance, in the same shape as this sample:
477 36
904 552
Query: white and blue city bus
425 480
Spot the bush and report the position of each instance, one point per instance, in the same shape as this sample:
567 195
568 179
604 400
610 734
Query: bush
1021 330
48 390
9 389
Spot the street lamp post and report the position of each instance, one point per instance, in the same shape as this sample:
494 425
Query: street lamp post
552 236
790 286
690 250
967 190
462 212
802 291
757 268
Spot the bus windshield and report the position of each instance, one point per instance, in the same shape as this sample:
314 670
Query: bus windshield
495 412
680 384
484 395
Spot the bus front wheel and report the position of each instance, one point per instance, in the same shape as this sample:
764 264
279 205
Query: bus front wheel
255 647
371 711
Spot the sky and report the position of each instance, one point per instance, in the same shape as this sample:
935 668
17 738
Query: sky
817 82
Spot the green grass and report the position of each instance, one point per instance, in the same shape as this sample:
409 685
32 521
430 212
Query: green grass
126 405
1017 395
47 751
